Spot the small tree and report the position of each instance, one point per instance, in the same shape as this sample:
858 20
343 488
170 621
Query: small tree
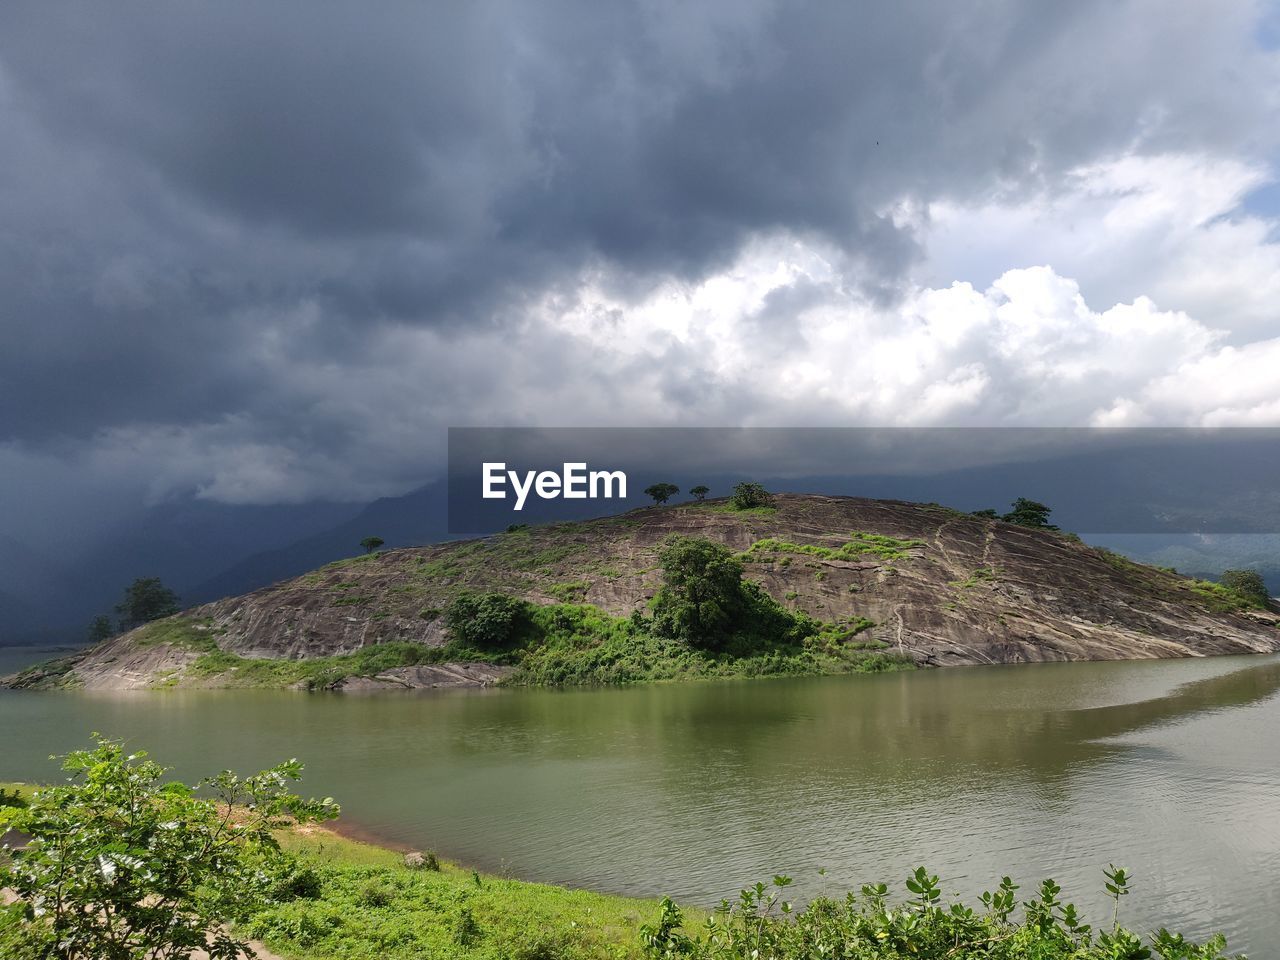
701 597
100 629
661 492
488 621
748 495
123 865
371 544
705 602
1248 584
700 492
146 599
1029 513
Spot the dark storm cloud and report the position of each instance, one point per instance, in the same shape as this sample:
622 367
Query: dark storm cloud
200 199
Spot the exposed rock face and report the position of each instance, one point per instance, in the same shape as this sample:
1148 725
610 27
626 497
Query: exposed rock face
427 677
948 589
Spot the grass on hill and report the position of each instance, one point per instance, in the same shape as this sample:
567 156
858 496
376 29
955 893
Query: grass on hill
568 644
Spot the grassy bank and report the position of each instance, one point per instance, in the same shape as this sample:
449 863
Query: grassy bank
347 898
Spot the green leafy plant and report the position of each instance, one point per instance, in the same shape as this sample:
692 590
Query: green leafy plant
761 924
123 864
489 621
371 544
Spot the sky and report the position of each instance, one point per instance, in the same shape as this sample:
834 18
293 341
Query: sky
265 253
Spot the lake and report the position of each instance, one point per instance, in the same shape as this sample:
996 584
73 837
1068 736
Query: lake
1170 768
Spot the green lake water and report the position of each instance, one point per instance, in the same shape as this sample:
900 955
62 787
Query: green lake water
1170 768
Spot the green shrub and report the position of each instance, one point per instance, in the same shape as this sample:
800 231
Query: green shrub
705 602
296 881
124 863
762 924
488 621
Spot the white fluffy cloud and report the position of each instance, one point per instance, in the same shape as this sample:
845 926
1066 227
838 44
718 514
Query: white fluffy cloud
1168 227
1138 293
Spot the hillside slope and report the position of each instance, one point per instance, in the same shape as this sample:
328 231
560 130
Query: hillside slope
939 588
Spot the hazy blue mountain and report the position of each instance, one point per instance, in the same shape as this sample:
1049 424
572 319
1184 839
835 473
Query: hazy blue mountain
53 597
416 518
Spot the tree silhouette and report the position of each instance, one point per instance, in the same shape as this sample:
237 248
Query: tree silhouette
146 599
100 629
1029 513
661 492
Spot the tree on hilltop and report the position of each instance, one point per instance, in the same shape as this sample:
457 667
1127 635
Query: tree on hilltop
661 492
1025 513
371 544
1029 513
747 495
146 599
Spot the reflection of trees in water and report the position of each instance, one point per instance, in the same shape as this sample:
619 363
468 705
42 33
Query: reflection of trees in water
897 737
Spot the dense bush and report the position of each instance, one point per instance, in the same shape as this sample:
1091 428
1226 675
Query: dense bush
763 925
705 602
488 621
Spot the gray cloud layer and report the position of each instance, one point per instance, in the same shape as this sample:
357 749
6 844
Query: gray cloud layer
213 213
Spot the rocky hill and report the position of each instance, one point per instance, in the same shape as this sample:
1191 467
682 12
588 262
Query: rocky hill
921 583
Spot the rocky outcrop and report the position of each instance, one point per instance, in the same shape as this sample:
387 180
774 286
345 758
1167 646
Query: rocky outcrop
433 676
943 587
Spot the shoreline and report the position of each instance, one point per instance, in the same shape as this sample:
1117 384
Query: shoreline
358 833
389 908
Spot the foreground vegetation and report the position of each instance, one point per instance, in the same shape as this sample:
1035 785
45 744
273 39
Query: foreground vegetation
124 865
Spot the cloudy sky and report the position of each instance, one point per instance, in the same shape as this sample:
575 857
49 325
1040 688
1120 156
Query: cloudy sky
265 253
